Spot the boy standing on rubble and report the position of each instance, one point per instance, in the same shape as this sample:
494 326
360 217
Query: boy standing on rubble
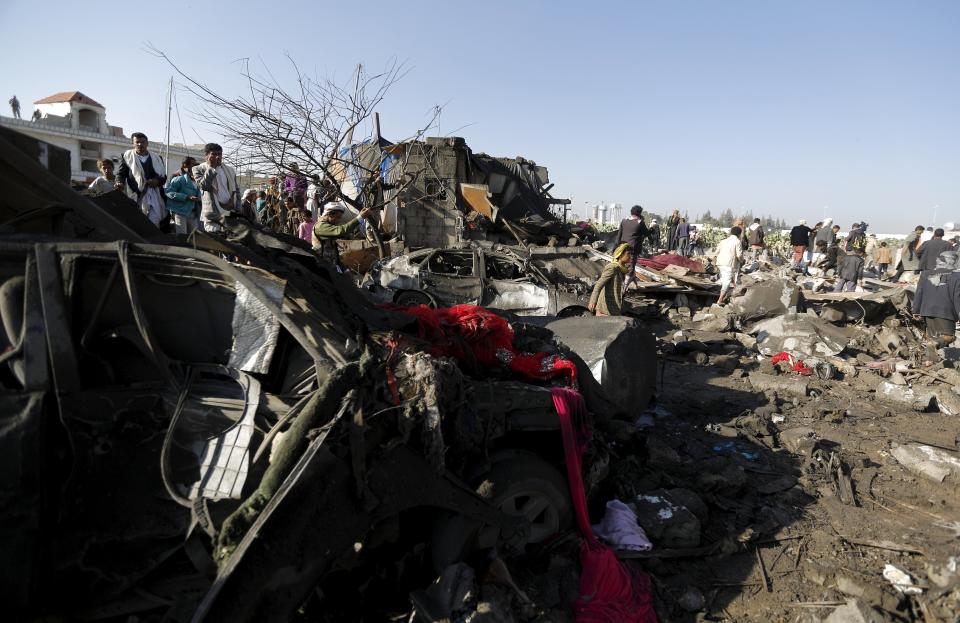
933 301
607 296
849 271
884 258
728 261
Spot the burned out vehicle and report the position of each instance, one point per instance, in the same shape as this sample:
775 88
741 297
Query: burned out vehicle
536 281
191 438
182 432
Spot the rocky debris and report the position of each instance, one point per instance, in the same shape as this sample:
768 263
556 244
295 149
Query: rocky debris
933 463
666 520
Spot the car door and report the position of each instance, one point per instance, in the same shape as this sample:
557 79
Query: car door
510 286
452 277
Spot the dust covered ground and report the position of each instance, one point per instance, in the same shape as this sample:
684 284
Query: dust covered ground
803 504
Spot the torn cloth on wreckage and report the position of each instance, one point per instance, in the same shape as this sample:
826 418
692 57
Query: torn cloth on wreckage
472 334
610 591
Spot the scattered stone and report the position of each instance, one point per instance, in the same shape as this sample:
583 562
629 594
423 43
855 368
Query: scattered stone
800 440
934 463
666 522
855 611
692 600
783 386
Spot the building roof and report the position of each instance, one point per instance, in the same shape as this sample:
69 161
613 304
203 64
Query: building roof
69 96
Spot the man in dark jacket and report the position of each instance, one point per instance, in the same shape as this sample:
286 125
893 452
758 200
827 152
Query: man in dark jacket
799 239
849 272
934 300
632 231
930 250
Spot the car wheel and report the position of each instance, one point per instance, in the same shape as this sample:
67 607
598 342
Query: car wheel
412 298
518 484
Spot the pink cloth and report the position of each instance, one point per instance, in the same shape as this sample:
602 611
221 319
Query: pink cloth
610 591
306 231
660 262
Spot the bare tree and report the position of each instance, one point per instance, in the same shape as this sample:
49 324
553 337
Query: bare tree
308 129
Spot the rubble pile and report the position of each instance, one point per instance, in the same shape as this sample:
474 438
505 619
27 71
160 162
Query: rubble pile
814 438
226 428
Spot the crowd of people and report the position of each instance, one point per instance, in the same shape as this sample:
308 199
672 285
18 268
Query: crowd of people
202 193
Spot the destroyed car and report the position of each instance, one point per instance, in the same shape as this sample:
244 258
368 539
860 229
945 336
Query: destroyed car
180 428
538 281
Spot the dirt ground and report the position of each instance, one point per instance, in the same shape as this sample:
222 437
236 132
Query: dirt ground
790 544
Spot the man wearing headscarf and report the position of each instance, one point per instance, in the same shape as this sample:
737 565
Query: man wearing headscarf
607 296
145 175
935 299
331 227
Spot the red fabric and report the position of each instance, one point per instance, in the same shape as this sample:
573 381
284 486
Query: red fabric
660 262
476 335
796 365
610 591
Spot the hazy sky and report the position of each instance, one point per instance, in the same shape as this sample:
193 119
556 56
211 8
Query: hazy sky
780 107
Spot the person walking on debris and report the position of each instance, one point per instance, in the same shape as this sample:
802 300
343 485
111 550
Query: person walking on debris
799 239
218 183
607 296
143 173
654 236
106 181
909 259
827 234
729 258
830 257
856 240
183 198
683 237
696 247
15 106
672 224
884 258
812 242
849 272
934 300
930 250
756 235
331 227
632 232
871 251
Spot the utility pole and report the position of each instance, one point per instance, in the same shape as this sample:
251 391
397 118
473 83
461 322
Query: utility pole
166 157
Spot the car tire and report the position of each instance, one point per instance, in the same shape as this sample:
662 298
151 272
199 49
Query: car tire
518 483
412 298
